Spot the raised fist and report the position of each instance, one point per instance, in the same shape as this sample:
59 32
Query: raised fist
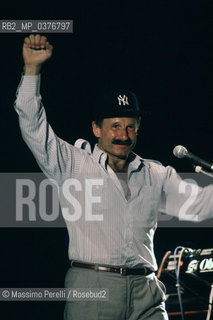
36 50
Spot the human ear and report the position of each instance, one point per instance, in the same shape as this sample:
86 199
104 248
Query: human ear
96 130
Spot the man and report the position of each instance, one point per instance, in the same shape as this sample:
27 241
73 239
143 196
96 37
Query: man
111 245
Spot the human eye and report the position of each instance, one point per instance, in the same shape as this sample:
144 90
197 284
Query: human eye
131 127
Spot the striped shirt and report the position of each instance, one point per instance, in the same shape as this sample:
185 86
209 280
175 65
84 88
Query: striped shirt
110 228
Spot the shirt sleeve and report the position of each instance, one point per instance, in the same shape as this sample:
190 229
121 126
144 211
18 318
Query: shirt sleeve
56 158
184 199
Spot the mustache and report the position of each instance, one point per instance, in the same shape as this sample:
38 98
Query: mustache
127 142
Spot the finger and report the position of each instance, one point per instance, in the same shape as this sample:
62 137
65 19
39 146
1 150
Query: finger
49 46
32 41
37 41
43 41
26 42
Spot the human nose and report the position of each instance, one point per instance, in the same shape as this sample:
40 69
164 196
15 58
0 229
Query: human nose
124 134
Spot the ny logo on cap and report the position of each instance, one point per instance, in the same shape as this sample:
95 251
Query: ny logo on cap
123 100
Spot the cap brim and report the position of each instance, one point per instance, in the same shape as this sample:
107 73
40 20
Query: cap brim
120 114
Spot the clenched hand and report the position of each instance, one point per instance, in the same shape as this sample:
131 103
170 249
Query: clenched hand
36 50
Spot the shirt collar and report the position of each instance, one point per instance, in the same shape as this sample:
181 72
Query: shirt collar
101 157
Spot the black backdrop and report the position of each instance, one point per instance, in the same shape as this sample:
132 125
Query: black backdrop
163 51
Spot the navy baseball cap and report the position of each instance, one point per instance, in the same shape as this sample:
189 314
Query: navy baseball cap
117 103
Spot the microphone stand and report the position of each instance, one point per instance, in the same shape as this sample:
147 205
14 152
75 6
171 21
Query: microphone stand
199 169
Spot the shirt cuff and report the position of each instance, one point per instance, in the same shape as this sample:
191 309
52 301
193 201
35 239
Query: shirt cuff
30 85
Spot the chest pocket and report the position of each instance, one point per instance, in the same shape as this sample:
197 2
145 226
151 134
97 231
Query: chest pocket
99 191
146 210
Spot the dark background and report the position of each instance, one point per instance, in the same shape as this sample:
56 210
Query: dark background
163 51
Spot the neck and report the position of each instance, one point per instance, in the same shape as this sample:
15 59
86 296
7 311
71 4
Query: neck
117 164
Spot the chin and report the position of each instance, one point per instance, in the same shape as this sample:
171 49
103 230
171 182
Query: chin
123 153
122 156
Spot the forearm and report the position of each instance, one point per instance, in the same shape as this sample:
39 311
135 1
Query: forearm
54 156
32 117
35 129
186 200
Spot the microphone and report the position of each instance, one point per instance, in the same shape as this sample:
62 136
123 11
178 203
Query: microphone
181 152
